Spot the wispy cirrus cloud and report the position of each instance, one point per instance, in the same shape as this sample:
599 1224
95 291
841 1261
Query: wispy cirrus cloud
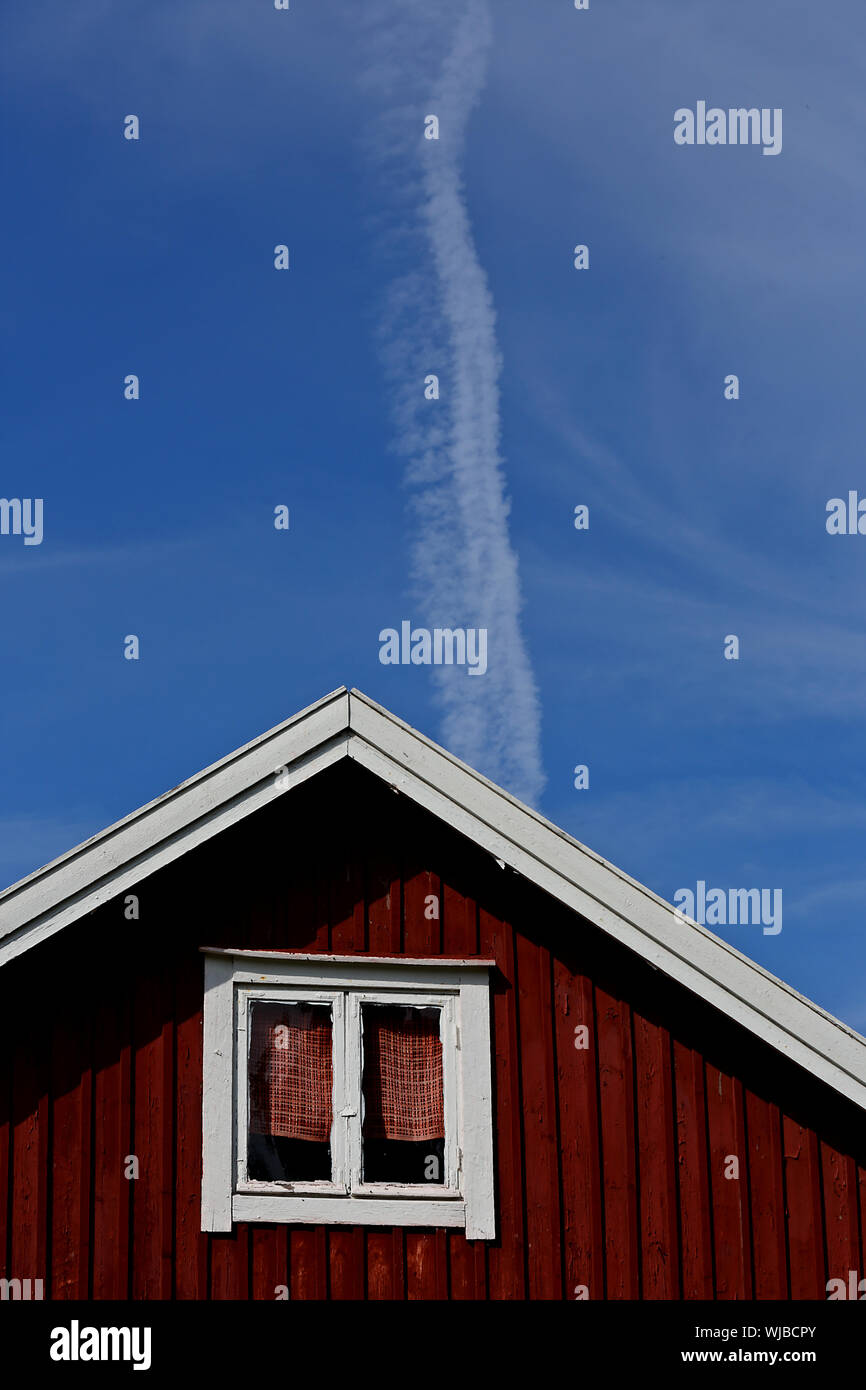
439 318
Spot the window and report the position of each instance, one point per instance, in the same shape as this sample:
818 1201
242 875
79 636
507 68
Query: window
347 1090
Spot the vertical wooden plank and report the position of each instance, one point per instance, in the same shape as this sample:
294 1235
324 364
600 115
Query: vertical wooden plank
276 916
467 1268
660 1273
323 867
459 922
579 1134
861 1185
308 1262
112 1191
270 1262
384 1245
386 1278
347 1262
693 1184
302 906
426 1251
154 1116
347 1249
30 1154
506 1254
308 1245
229 1264
384 895
731 1230
467 1271
190 1240
802 1171
766 1189
616 1090
535 1024
298 923
6 1079
422 909
842 1237
70 1158
85 1200
426 1265
263 916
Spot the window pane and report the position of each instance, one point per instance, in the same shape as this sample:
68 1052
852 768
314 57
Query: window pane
404 1112
291 1082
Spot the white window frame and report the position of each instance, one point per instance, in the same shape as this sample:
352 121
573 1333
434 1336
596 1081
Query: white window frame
245 998
234 980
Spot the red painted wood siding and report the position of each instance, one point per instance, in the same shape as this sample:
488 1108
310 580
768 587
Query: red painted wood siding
610 1159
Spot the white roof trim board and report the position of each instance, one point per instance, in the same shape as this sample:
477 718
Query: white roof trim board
348 724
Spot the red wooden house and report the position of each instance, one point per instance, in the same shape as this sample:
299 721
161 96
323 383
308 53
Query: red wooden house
338 1018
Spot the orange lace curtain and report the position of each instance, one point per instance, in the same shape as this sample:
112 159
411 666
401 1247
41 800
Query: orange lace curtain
403 1074
291 1074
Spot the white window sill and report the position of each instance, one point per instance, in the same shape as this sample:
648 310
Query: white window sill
348 1210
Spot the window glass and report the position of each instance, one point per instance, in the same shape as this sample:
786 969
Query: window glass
291 1082
404 1113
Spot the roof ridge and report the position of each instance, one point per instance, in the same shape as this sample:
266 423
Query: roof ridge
349 724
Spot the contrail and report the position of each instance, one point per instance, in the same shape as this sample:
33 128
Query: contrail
439 318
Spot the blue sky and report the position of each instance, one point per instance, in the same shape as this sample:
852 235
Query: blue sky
559 387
